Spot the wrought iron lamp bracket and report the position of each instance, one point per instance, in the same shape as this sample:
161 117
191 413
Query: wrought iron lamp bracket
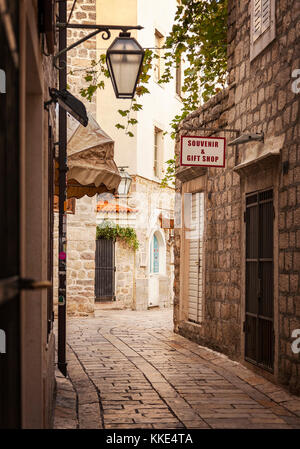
106 34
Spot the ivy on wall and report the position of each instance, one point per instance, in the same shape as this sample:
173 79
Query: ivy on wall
110 231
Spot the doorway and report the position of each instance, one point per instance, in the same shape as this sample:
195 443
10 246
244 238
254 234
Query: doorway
259 304
105 270
157 267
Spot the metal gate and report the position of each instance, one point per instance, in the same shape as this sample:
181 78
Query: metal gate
9 223
105 270
258 325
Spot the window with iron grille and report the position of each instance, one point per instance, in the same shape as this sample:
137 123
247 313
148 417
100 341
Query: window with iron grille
262 25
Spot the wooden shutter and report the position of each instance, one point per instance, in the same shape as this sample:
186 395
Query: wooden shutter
256 19
265 15
263 26
261 17
196 257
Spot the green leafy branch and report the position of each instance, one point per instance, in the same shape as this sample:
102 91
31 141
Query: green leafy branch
109 231
199 40
170 173
92 76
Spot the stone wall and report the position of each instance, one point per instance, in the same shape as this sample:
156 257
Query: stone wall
125 275
79 59
151 200
259 98
222 325
81 246
129 266
81 227
132 267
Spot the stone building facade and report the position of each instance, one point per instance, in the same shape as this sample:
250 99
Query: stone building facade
135 283
80 58
260 98
81 233
81 221
145 153
133 280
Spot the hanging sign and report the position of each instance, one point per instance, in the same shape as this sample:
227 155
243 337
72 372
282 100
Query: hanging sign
203 151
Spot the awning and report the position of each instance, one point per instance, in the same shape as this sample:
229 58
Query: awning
90 161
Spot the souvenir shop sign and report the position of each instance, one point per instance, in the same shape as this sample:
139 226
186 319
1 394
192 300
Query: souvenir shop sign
203 151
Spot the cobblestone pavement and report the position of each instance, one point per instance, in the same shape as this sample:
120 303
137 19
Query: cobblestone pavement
129 370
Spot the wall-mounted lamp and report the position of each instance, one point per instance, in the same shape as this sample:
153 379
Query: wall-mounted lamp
245 138
125 183
124 60
70 103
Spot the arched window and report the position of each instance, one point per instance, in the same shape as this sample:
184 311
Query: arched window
154 255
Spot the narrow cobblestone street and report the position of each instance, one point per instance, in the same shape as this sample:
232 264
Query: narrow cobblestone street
129 370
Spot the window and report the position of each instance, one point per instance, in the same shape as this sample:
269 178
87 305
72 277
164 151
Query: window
154 255
158 150
261 17
178 79
158 61
262 25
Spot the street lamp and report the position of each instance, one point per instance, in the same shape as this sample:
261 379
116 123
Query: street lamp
133 61
125 183
124 60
